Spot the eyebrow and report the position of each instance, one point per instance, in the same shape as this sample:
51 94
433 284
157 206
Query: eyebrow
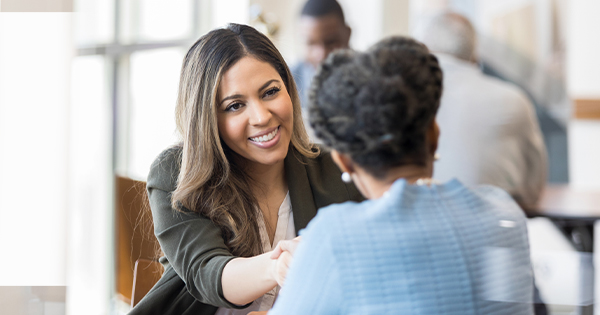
234 96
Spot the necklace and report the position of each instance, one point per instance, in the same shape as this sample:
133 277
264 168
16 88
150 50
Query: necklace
426 181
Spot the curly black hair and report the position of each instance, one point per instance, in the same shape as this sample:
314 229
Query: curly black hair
376 106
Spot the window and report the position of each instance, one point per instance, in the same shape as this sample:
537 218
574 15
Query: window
141 44
123 92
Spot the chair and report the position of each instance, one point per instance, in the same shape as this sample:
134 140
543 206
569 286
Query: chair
145 275
134 239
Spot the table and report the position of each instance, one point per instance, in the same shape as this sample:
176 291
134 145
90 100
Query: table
567 202
575 211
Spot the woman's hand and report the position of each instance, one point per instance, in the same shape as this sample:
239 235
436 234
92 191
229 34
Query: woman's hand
283 253
246 279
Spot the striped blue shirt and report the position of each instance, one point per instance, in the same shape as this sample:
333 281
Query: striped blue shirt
444 249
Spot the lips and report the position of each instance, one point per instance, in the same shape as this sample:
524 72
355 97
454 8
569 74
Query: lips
267 140
267 137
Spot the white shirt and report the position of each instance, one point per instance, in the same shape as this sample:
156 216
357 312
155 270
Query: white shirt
285 230
489 133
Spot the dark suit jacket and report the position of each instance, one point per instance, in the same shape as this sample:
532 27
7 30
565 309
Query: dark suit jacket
195 252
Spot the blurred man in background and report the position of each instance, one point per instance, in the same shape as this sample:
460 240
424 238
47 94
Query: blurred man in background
489 130
323 29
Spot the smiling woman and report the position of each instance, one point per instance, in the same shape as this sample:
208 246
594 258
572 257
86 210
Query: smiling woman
255 119
243 178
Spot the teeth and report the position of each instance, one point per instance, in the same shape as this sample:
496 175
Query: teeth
266 137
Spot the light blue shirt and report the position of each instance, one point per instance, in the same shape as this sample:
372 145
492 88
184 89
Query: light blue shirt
303 73
445 249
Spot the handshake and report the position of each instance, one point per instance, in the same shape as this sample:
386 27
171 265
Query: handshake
282 258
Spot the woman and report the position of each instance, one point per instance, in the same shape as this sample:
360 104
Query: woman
243 178
417 246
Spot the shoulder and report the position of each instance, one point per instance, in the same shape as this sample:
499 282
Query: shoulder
482 205
506 99
510 90
500 202
336 218
477 79
492 194
165 169
506 92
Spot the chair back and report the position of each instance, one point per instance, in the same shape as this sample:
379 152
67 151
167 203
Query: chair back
134 230
145 275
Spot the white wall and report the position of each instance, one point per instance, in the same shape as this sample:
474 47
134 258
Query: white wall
366 18
229 11
374 20
35 55
583 47
584 153
396 17
583 81
286 14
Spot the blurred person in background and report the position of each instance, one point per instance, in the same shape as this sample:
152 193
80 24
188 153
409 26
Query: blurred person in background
491 133
417 246
323 29
244 177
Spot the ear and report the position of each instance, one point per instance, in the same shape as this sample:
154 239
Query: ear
342 161
348 35
433 136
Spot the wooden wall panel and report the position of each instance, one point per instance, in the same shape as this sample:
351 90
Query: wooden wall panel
586 109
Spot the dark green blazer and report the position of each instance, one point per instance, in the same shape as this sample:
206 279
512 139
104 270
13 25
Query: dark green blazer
195 252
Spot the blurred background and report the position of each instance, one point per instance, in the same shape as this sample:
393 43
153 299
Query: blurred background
87 96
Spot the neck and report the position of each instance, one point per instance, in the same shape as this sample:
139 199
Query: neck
375 187
267 178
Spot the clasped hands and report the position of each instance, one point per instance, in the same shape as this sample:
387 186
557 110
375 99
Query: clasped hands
282 258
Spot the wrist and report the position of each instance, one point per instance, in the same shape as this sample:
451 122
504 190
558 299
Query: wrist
269 274
273 270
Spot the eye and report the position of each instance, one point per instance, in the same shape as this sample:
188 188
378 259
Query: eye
272 91
234 107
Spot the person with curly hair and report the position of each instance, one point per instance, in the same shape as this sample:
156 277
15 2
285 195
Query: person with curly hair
417 246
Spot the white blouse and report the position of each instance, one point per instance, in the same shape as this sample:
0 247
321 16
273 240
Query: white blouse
285 230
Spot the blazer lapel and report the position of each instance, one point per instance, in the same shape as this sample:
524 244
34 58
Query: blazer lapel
301 197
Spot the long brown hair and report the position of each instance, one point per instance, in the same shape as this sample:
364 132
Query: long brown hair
210 182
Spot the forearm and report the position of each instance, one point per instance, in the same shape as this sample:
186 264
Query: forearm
246 279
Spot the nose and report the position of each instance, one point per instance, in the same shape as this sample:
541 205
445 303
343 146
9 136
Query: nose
259 114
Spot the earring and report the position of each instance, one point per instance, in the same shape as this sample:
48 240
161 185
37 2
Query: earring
436 156
346 178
